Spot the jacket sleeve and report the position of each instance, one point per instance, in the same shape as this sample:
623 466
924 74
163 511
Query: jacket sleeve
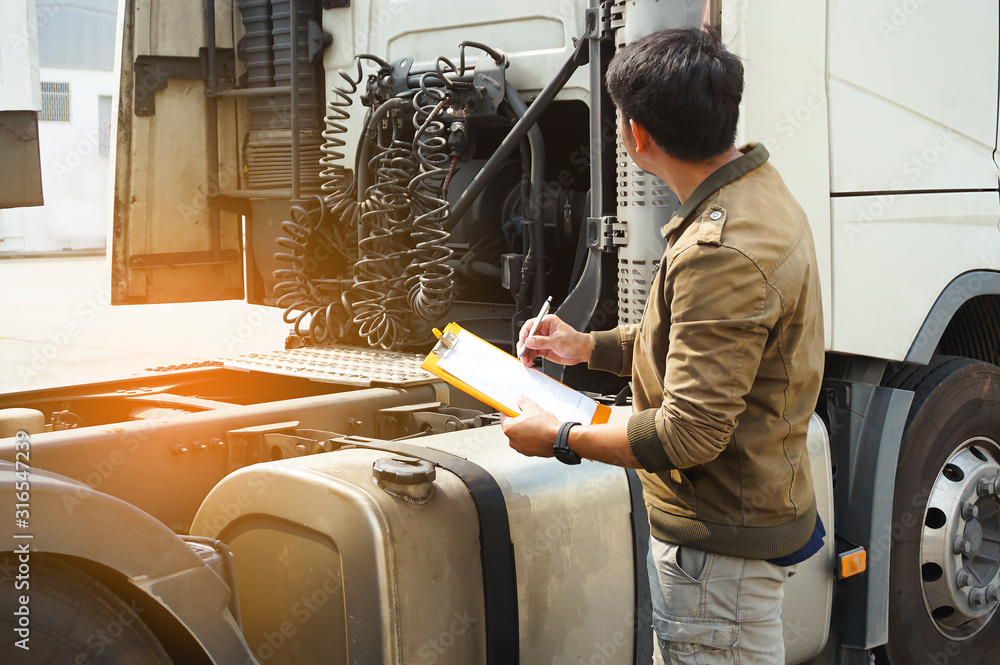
721 311
613 350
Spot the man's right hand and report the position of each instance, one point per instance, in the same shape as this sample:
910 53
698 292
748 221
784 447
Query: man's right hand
555 340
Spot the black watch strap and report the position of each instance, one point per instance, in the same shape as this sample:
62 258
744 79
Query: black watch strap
562 450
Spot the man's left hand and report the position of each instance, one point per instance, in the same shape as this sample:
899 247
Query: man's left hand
533 433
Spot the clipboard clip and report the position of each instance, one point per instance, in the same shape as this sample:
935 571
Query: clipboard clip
445 344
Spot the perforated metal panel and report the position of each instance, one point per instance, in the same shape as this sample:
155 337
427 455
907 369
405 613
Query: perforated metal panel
342 365
645 203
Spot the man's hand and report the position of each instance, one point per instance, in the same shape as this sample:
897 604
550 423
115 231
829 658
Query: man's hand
533 433
555 340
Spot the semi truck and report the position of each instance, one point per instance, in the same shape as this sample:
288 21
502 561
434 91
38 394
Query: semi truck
377 168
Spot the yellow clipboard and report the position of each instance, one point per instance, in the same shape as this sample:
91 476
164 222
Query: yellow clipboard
494 377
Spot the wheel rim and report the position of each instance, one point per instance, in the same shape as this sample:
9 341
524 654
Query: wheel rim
960 541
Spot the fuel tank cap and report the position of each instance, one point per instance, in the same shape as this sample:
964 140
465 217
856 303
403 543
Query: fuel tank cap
403 470
406 478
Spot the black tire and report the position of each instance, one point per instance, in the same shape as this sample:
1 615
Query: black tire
955 399
73 618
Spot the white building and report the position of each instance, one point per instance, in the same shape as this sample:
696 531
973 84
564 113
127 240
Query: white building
76 45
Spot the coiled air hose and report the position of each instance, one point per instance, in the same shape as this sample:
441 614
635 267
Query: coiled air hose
387 221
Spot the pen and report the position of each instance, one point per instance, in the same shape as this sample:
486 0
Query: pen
521 348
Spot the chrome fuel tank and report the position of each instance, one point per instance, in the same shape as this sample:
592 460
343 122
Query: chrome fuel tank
497 557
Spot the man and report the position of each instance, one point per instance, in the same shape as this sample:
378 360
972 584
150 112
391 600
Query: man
725 365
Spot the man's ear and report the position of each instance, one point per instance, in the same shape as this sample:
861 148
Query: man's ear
640 136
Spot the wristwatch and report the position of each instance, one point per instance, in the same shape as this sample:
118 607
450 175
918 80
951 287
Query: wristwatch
561 449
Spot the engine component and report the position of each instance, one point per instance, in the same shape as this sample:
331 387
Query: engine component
389 275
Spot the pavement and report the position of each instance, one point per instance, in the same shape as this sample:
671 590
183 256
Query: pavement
57 327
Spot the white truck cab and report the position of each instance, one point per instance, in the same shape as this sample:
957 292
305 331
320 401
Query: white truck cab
376 168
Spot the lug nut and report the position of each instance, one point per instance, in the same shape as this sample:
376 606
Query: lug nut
962 546
992 593
988 487
963 578
970 511
977 597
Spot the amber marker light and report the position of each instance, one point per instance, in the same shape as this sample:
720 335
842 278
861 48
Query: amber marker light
852 562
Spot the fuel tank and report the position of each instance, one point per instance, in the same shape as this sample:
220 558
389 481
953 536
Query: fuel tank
475 555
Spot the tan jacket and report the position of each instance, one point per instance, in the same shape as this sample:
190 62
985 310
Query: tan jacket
726 367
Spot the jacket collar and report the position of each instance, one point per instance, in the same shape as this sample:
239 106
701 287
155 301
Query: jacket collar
754 154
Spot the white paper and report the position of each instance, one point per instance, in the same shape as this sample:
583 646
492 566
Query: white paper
502 376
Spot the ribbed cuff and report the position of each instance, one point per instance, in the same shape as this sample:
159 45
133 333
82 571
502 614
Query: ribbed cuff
748 542
607 355
645 442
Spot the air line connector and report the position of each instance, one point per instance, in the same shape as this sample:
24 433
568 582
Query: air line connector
460 141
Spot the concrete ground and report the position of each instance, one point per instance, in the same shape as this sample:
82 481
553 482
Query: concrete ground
57 327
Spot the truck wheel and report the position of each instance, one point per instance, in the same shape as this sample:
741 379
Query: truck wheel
72 618
945 557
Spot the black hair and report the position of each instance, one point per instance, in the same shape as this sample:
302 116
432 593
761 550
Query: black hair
683 87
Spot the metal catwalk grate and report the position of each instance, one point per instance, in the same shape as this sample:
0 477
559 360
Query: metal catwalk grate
343 365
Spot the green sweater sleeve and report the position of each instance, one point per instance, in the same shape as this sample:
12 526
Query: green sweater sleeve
613 350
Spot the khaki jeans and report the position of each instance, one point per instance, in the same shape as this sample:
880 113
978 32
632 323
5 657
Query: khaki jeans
713 609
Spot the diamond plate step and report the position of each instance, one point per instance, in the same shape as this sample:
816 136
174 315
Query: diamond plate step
344 365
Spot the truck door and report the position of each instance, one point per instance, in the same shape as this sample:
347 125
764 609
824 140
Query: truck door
176 149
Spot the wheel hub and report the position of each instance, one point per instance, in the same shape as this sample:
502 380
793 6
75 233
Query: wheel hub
960 541
974 535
